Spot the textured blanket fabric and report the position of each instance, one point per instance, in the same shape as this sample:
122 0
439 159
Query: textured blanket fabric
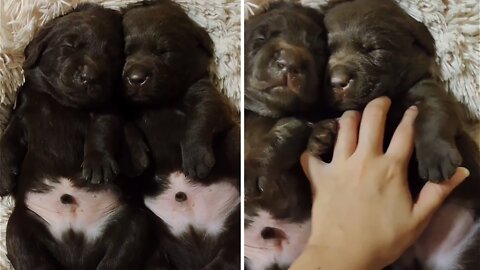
19 20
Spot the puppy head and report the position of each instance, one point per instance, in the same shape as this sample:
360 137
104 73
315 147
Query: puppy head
166 52
375 49
284 57
79 55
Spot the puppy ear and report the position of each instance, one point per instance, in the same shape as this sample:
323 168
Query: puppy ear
35 48
204 41
422 36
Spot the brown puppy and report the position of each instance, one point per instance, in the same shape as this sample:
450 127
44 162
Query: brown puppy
186 123
285 57
59 152
377 49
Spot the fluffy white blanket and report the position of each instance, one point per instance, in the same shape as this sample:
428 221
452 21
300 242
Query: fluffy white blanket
19 20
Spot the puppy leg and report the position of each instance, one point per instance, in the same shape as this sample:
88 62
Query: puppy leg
135 159
437 124
222 263
24 249
128 242
208 113
101 147
323 137
284 143
12 152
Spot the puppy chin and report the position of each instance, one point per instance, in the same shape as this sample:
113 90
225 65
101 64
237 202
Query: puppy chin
342 102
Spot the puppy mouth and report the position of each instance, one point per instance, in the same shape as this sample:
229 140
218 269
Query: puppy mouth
354 97
283 85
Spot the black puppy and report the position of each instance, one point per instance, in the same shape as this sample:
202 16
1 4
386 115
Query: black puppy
186 122
378 50
284 57
63 122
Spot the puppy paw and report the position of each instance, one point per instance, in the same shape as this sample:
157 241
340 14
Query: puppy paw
322 139
289 127
99 167
198 160
437 160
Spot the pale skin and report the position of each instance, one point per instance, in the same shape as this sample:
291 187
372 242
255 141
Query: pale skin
364 218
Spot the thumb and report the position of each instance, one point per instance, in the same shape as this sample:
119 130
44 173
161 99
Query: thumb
312 167
432 195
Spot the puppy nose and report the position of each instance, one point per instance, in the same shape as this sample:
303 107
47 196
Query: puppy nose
340 80
88 74
137 77
289 61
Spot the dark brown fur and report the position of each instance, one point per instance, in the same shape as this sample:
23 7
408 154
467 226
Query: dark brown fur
188 125
376 49
284 63
64 120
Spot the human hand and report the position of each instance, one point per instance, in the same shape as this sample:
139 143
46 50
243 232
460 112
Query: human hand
363 215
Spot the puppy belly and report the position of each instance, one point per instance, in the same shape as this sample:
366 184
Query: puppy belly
186 204
450 233
65 208
281 250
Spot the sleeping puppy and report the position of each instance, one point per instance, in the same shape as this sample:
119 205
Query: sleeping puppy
186 123
285 57
284 61
378 50
66 217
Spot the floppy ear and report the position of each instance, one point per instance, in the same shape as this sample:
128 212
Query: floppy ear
204 40
422 36
35 48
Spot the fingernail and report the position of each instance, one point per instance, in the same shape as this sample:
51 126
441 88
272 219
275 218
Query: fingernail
413 108
466 172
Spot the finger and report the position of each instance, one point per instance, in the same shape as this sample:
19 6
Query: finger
372 126
401 145
347 135
312 167
432 195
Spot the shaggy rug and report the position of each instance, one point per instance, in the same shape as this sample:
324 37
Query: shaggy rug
19 20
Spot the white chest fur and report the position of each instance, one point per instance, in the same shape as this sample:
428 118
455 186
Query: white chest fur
449 234
263 253
67 208
185 203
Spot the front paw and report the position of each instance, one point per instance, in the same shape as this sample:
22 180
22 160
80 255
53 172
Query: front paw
437 160
322 139
198 160
99 167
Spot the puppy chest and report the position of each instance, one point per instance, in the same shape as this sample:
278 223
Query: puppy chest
270 241
451 232
65 208
186 204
